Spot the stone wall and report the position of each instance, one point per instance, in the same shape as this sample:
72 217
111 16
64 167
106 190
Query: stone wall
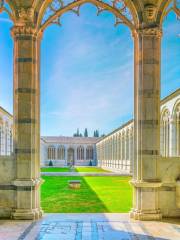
169 173
7 190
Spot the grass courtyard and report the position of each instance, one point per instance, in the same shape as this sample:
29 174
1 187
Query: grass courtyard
55 169
96 195
76 169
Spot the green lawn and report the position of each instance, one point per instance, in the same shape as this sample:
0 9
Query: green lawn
96 195
89 169
76 169
56 169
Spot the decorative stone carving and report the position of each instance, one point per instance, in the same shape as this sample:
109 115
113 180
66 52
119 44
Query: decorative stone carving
150 13
23 30
26 15
148 31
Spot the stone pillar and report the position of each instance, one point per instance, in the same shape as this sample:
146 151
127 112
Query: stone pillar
65 155
26 123
172 138
146 124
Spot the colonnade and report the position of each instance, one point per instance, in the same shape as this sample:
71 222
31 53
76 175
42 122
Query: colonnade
61 152
115 151
170 131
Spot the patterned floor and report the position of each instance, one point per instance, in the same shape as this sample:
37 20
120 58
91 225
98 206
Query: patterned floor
89 227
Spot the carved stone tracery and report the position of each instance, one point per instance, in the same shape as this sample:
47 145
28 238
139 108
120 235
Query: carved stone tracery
55 9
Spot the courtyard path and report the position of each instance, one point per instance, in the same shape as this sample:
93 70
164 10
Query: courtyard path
89 227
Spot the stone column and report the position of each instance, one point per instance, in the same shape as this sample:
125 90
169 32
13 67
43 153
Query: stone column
65 155
26 122
147 123
172 138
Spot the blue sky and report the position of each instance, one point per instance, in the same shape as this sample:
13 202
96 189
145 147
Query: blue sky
87 71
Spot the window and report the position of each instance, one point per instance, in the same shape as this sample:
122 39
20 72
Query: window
51 153
165 120
61 153
80 153
89 153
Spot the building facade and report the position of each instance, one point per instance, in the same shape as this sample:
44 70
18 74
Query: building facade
67 151
115 151
6 133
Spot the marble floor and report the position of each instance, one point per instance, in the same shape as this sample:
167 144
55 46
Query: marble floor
89 227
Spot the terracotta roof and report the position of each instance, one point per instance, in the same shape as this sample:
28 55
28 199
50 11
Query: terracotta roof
6 112
70 140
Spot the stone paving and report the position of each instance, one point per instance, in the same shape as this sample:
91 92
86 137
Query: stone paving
89 227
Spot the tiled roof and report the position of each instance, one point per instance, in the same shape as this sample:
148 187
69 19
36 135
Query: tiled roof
6 112
70 140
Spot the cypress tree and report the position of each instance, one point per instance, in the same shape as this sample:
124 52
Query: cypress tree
85 132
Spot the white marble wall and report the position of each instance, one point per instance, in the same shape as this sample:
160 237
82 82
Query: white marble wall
115 151
70 154
6 133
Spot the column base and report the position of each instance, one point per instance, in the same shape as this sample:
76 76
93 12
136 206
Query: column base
26 214
146 215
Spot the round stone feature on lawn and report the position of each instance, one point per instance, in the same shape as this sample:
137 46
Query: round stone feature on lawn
74 184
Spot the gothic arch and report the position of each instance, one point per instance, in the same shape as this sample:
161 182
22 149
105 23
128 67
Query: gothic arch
130 19
165 8
165 132
176 129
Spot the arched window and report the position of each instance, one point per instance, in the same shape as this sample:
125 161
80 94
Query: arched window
165 138
6 139
51 153
11 142
176 135
123 146
80 153
89 153
61 153
127 144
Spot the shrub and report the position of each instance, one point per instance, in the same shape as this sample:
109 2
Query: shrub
90 163
50 163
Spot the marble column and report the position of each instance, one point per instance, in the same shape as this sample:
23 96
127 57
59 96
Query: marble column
147 123
66 155
26 123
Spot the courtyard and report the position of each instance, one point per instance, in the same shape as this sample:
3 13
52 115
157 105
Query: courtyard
90 120
96 195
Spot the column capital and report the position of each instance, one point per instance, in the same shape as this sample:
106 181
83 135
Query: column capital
23 31
148 31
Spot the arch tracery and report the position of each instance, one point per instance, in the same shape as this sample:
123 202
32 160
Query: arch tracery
52 11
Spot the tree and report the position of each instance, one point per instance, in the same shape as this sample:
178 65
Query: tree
85 132
78 132
96 133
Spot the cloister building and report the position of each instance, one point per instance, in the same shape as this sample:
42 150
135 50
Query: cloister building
156 172
65 151
115 151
